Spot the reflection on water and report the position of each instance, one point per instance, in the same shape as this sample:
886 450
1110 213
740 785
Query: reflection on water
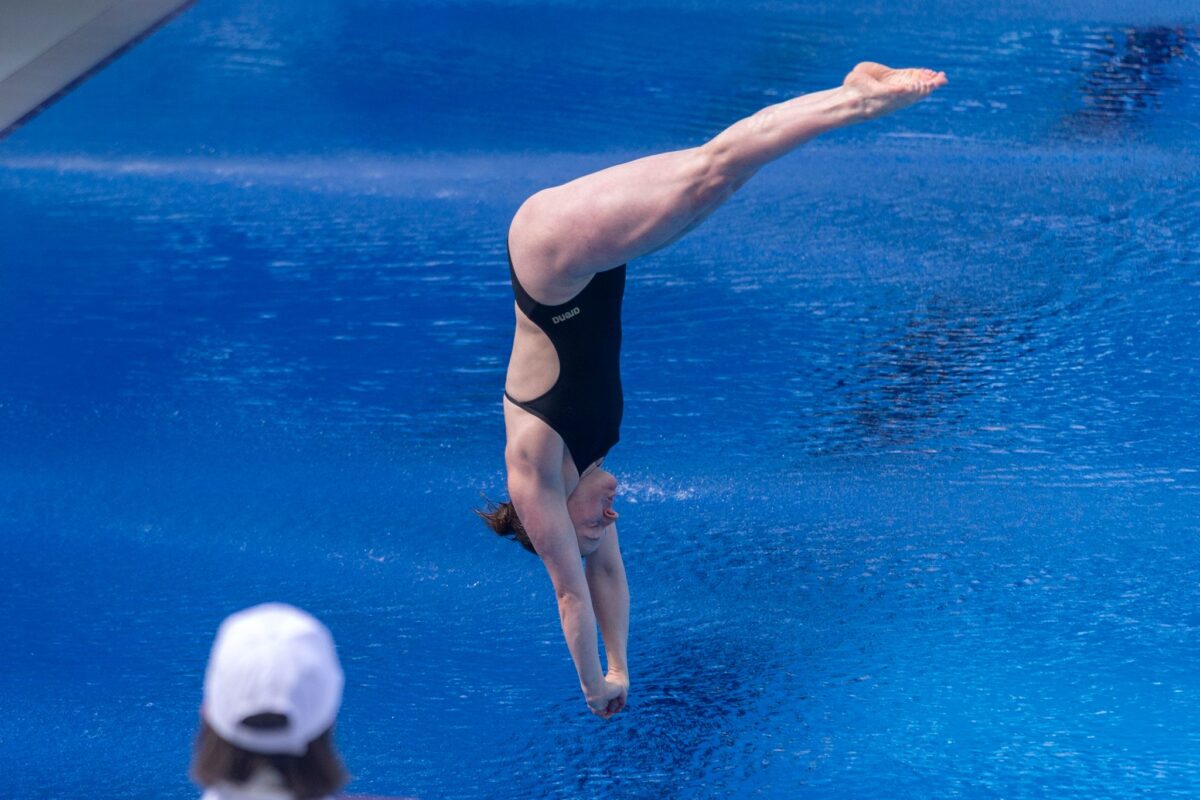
1127 75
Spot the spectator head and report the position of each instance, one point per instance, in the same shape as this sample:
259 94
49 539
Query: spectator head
271 694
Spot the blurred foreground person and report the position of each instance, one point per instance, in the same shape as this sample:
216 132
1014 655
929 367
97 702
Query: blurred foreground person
271 694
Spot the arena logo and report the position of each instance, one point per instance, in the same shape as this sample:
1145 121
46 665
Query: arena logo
566 315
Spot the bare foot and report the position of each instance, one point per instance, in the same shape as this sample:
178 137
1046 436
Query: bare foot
882 90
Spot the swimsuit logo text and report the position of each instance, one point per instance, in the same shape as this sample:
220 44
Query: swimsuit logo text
566 315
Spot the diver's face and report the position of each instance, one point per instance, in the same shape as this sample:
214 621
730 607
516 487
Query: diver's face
591 509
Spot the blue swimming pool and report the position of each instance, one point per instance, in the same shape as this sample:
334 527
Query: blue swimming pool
910 480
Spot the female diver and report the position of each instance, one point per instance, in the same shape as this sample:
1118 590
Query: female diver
568 246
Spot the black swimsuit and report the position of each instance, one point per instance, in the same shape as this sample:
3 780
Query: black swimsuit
585 404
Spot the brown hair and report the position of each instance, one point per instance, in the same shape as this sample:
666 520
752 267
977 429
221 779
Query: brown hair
318 773
503 520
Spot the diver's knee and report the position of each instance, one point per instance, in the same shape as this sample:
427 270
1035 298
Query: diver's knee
711 177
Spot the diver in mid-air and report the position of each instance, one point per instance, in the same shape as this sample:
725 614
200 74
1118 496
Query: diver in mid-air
568 246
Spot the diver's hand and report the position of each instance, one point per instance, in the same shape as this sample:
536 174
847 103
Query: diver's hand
608 698
620 678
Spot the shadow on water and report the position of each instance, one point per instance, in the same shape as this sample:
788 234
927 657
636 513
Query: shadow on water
698 700
1126 75
692 703
915 383
917 378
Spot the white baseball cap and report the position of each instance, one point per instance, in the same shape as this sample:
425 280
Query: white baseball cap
276 659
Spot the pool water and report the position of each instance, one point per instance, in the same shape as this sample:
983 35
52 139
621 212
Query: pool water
910 492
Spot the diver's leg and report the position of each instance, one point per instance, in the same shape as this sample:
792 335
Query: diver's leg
562 236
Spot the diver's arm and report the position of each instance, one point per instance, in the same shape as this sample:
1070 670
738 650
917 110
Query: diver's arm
544 514
540 502
610 598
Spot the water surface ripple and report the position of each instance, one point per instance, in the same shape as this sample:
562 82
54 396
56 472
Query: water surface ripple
909 486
